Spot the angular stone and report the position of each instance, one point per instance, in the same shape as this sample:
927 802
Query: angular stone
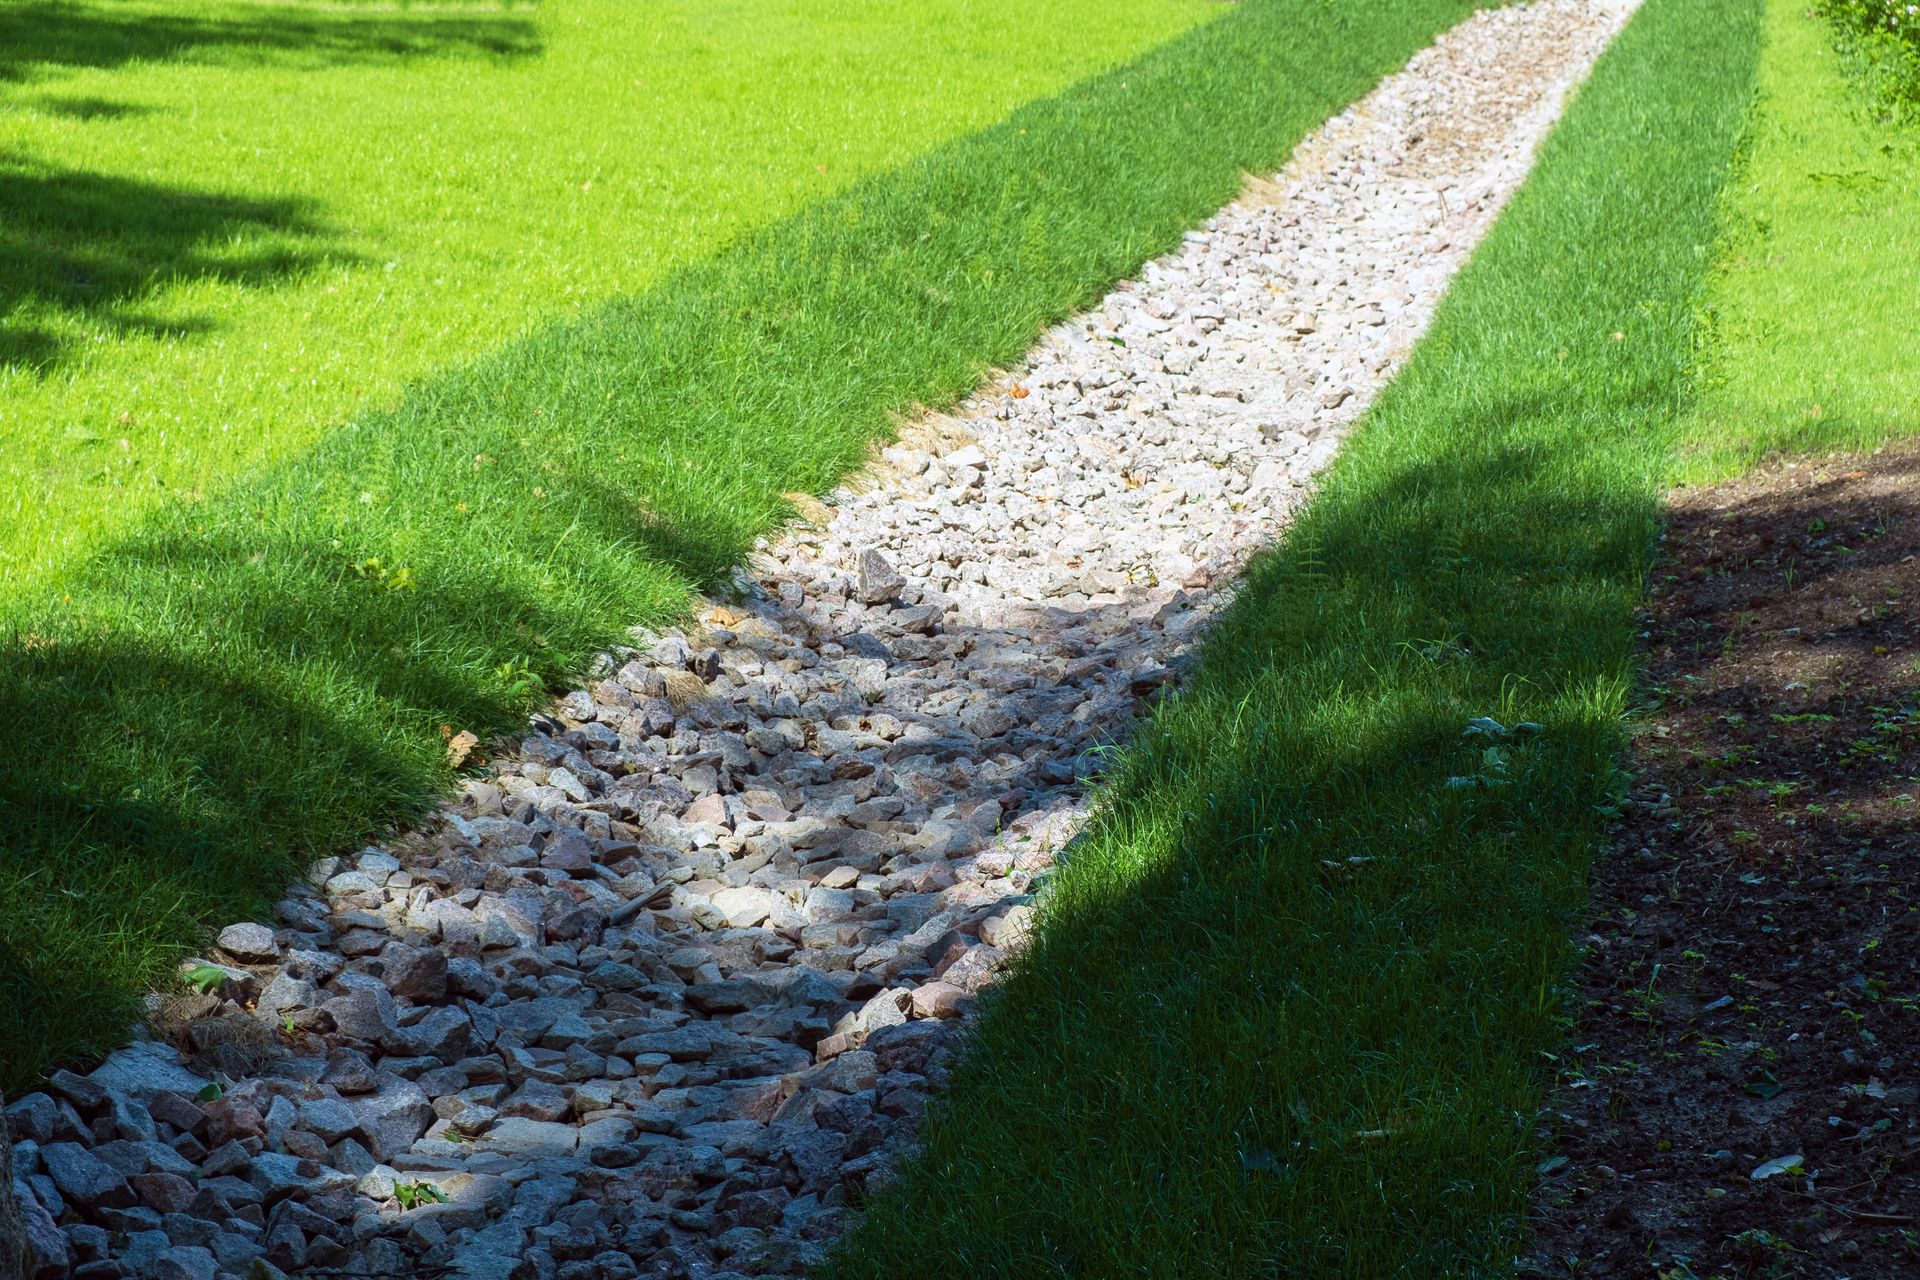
973 969
166 1192
537 1100
351 882
1009 929
391 1118
329 1119
531 1019
49 1253
365 1011
286 994
88 1095
748 906
827 906
182 1113
937 1000
414 973
184 1262
350 1071
568 850
84 1178
276 1176
810 987
906 1046
878 580
611 1131
610 975
250 943
445 1034
36 1117
523 1137
379 1183
230 1157
909 911
888 1008
145 1067
728 996
851 1072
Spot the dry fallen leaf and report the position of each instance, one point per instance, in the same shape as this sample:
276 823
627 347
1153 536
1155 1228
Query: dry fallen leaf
1779 1164
810 508
459 747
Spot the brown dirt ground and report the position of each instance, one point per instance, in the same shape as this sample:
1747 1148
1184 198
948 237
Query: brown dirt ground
1752 985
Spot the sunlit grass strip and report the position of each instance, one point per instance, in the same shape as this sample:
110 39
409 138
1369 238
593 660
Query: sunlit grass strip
1289 1010
267 674
1815 305
217 240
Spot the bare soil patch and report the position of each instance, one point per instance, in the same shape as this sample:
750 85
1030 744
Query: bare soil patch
1752 989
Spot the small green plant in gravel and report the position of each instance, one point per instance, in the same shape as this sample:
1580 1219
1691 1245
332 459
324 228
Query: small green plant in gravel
412 1195
206 977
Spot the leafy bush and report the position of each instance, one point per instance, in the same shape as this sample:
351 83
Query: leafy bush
1885 36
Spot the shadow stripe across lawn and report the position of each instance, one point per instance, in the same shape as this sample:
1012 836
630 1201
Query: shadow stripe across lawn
255 678
1295 993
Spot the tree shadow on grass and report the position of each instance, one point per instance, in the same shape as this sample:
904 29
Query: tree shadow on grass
167 770
88 244
177 764
94 246
135 782
38 37
1781 733
246 691
1309 966
89 107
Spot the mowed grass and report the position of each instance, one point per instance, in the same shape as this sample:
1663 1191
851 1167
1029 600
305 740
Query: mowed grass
227 225
1296 992
240 682
1815 308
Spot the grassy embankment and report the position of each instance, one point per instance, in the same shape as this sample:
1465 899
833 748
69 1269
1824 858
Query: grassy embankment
228 225
1291 1006
232 684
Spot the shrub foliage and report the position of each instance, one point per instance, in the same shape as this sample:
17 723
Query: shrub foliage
1885 36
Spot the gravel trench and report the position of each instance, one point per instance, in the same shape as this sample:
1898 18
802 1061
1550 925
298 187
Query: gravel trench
665 992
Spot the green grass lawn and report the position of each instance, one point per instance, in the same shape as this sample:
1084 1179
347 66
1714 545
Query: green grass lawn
224 686
228 225
1815 341
1296 993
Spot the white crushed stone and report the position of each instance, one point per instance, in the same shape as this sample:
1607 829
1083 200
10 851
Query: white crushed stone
656 997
